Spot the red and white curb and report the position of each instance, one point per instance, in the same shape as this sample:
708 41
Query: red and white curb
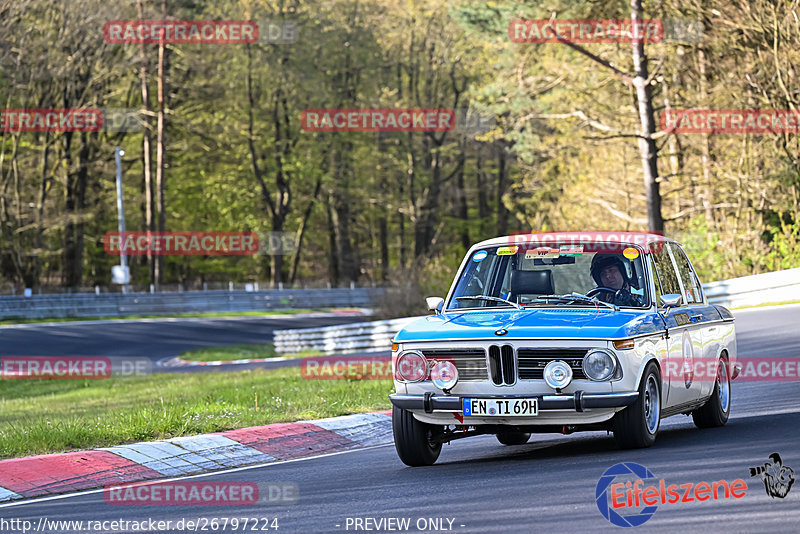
51 474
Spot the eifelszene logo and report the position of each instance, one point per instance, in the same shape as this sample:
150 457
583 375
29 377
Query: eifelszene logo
777 478
622 488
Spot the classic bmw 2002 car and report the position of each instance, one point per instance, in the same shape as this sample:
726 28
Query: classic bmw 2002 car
573 334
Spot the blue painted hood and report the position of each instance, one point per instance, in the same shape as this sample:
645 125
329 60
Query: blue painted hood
533 323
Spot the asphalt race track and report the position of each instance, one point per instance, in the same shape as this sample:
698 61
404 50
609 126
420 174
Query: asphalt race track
547 485
150 338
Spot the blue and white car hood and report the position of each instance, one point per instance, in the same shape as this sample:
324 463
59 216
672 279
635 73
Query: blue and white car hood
532 323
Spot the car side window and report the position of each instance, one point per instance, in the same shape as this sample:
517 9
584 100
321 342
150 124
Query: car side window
693 292
665 271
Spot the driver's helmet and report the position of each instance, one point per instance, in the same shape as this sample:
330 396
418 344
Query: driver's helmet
601 261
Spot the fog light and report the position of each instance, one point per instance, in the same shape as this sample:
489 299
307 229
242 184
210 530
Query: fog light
558 374
411 367
444 375
599 365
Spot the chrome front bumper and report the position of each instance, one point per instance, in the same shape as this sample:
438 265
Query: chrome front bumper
579 401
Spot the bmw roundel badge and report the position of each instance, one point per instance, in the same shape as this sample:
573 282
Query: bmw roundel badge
501 332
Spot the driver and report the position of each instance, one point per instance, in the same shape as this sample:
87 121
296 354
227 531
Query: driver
609 271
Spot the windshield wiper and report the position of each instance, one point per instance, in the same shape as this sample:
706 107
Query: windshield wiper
577 296
493 299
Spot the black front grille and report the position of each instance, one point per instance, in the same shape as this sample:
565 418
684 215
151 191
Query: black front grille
507 358
471 363
533 361
501 365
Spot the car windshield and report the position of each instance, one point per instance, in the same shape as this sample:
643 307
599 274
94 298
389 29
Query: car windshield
555 275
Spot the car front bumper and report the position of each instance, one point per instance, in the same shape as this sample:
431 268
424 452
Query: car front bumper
578 401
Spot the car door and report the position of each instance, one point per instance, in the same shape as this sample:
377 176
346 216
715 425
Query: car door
679 343
703 319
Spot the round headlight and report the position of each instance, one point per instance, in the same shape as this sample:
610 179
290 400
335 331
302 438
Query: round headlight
411 367
599 365
557 374
444 375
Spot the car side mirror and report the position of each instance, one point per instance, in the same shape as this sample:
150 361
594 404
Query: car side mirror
671 300
435 304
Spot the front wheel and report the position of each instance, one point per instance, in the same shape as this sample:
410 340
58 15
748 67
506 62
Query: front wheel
717 408
637 425
413 439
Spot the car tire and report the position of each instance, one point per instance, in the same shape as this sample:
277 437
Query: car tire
513 438
717 408
637 425
412 439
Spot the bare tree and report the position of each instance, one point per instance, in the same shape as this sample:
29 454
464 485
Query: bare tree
646 140
146 150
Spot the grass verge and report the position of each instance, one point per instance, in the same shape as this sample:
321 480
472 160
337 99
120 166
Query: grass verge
40 417
768 305
241 352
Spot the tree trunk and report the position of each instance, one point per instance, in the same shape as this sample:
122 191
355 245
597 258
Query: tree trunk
162 60
461 201
333 259
647 145
349 265
46 178
302 230
75 204
401 225
429 212
502 212
705 145
383 236
147 155
483 204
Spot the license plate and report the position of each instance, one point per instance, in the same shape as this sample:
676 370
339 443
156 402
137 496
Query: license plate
500 407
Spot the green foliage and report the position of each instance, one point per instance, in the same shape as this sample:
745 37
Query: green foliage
784 250
563 127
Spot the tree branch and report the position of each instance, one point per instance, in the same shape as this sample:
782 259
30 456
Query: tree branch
616 213
625 77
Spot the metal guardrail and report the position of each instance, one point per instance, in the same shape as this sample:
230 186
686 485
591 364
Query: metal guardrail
779 286
354 337
119 304
766 288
